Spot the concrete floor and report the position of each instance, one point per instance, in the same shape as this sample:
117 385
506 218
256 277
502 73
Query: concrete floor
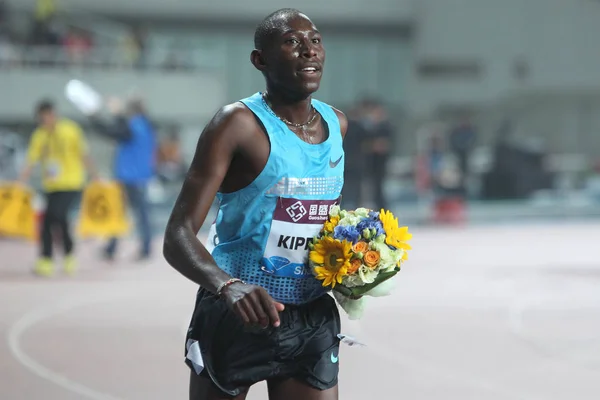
482 313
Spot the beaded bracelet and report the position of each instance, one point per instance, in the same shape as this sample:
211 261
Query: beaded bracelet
227 283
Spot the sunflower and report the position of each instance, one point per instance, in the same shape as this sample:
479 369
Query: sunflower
394 235
331 224
332 258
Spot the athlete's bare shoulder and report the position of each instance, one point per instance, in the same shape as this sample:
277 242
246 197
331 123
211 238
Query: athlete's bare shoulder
343 121
231 117
231 127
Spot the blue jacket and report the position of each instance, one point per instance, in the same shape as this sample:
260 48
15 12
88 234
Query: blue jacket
135 158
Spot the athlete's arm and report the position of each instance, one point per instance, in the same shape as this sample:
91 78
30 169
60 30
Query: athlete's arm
343 121
80 143
227 134
117 130
34 152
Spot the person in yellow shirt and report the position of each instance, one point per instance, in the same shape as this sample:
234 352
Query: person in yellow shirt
58 145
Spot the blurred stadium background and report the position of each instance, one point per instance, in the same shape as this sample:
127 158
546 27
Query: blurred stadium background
494 162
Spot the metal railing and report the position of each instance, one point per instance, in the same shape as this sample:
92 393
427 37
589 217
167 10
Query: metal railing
75 14
102 57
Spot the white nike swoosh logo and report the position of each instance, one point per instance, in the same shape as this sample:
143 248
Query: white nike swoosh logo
334 359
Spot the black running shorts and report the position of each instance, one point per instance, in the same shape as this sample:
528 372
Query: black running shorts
304 347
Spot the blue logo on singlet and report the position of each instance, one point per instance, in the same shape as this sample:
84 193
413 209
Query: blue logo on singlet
281 266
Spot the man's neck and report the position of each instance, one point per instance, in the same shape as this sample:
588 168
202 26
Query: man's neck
296 110
49 128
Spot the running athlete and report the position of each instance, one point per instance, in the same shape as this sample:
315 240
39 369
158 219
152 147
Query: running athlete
275 162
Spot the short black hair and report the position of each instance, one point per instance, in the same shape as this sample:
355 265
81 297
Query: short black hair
44 106
270 24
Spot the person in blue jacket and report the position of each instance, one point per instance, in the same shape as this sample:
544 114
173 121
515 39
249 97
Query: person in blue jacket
134 164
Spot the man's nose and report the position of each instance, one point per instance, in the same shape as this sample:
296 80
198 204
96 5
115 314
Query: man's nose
308 50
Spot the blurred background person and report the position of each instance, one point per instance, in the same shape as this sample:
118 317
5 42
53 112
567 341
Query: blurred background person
378 147
43 31
593 182
355 154
170 165
436 160
3 11
59 146
133 42
78 44
462 140
11 154
134 164
8 51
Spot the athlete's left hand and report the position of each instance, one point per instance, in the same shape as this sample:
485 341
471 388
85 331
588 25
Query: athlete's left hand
252 304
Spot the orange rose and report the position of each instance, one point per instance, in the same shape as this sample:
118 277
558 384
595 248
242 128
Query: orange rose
360 247
371 259
354 266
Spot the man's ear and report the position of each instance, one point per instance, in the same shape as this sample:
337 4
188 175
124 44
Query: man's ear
257 59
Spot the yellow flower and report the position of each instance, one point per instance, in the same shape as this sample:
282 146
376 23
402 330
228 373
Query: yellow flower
404 258
333 258
394 235
331 224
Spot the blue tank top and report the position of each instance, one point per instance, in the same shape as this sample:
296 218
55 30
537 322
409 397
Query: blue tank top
262 231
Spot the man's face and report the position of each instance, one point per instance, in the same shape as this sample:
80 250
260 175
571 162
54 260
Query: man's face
378 113
47 119
295 56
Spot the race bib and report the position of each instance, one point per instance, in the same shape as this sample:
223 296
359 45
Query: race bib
52 170
295 223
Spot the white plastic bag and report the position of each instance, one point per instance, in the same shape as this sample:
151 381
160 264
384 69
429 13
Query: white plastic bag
355 308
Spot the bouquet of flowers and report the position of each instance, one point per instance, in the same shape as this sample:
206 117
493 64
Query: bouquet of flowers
356 253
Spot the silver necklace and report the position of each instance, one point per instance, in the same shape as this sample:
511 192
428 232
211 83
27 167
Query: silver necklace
307 138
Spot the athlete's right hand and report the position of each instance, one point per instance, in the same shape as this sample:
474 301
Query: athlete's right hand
252 304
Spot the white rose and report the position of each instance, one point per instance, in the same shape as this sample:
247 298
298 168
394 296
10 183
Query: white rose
366 274
362 212
349 220
334 211
388 257
351 281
